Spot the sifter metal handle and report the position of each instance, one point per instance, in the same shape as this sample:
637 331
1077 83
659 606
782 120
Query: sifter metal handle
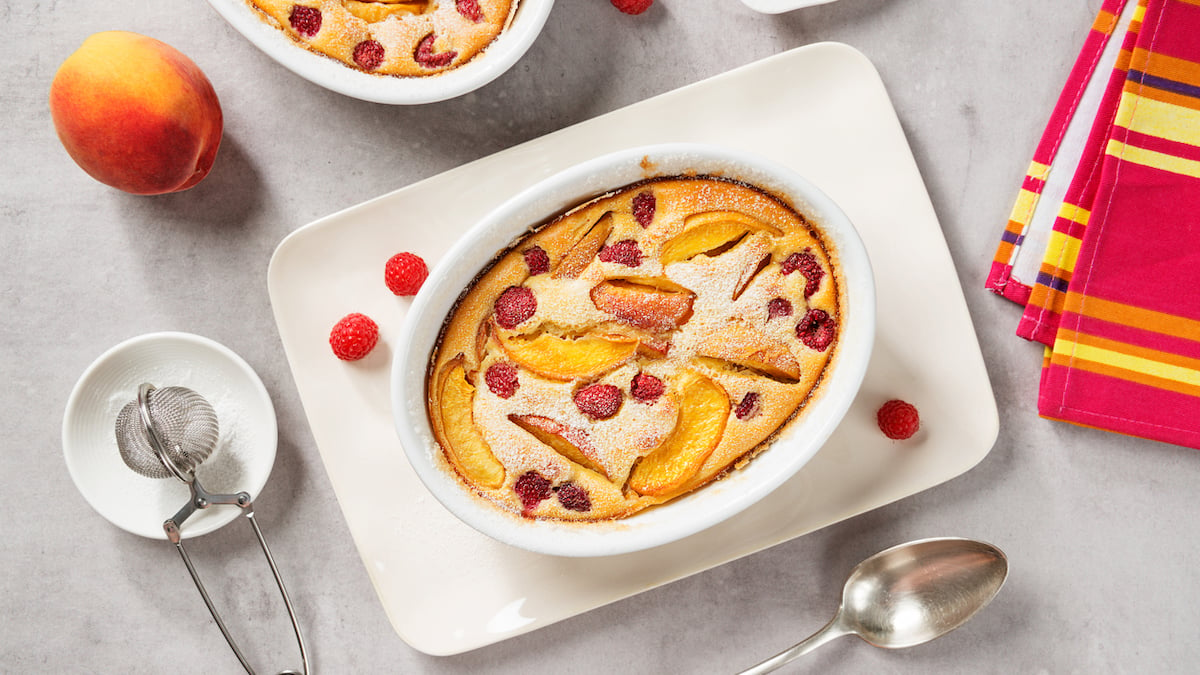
155 440
202 499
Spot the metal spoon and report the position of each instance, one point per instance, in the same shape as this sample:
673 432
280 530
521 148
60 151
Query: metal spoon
909 595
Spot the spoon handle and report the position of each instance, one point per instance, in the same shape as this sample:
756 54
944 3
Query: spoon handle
831 631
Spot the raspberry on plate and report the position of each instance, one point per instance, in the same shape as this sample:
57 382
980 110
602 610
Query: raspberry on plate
632 6
353 337
404 273
898 419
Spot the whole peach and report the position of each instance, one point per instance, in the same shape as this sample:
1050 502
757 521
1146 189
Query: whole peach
136 113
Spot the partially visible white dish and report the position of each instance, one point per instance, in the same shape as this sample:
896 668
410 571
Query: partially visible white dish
507 49
781 6
242 460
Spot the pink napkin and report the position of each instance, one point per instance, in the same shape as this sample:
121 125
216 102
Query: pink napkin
1112 206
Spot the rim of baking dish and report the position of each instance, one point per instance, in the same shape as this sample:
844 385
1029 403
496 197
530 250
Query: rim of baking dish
704 507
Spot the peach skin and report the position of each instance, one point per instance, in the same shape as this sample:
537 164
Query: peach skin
136 114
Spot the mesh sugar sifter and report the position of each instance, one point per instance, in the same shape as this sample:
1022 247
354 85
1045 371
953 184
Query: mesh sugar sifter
170 432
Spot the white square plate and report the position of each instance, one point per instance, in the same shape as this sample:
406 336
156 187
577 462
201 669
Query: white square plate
821 110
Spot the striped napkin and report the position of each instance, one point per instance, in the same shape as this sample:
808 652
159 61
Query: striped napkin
1103 245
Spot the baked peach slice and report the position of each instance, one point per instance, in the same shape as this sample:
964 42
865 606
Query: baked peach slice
749 273
647 305
482 337
567 441
703 412
742 345
565 358
650 345
467 450
711 232
373 12
584 251
653 346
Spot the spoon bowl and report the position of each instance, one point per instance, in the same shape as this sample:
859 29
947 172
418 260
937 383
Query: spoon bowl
908 595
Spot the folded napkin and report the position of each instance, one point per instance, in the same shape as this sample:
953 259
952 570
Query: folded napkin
1112 206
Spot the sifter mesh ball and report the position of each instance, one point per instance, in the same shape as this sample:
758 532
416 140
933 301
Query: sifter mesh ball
183 420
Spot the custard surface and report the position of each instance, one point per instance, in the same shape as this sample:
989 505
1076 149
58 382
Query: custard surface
634 349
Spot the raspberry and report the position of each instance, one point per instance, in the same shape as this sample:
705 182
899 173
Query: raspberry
404 273
807 264
470 9
537 260
632 6
643 208
816 329
514 306
305 20
501 378
599 401
424 54
898 420
532 487
646 388
624 252
353 337
573 497
778 307
749 407
368 54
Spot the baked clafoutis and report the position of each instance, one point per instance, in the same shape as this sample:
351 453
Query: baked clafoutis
410 38
635 348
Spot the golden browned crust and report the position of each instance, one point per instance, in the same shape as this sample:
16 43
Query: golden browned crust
702 325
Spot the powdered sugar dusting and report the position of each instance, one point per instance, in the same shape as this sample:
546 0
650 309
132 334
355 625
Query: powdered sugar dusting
224 468
730 279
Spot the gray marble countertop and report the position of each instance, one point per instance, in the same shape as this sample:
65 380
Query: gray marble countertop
1097 526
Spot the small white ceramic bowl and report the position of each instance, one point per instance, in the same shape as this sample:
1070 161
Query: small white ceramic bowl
242 460
708 505
506 50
